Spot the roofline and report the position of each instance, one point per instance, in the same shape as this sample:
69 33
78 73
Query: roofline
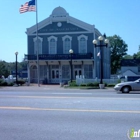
68 19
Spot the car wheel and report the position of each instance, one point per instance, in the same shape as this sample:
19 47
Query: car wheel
125 90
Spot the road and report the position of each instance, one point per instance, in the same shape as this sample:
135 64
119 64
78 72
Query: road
54 113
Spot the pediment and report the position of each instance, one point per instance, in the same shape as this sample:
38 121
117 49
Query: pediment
57 27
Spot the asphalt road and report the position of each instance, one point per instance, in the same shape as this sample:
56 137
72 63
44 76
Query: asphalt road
54 113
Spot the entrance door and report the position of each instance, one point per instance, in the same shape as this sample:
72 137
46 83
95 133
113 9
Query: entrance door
77 72
55 76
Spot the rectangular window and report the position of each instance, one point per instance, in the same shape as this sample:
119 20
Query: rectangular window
88 71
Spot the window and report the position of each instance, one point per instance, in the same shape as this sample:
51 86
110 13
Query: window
52 45
82 43
38 45
66 44
88 71
65 72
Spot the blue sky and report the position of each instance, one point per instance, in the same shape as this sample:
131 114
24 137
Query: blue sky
120 17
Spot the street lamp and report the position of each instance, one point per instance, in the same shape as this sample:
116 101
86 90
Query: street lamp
71 52
16 53
103 42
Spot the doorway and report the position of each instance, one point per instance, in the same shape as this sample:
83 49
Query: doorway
55 76
77 72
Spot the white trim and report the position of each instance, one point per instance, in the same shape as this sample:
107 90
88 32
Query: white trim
39 49
79 37
67 36
60 33
66 18
63 39
41 39
49 39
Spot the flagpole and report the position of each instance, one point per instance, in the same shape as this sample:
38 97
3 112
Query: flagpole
37 43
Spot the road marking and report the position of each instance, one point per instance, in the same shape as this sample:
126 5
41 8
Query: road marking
70 110
63 97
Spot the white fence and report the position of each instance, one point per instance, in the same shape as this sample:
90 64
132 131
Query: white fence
81 80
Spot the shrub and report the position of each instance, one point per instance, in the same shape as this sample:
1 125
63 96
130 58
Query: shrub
96 84
111 85
73 83
20 82
105 84
10 84
83 85
119 81
3 83
90 84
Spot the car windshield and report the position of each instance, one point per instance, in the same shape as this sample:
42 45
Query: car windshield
138 80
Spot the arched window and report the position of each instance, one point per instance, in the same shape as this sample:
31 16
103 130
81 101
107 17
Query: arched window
66 44
38 45
82 43
52 45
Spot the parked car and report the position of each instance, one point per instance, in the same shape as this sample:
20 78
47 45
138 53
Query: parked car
126 87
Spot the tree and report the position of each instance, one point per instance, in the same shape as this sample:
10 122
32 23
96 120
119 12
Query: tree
128 57
3 70
118 51
137 55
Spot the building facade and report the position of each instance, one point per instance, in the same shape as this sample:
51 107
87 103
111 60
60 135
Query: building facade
56 35
132 65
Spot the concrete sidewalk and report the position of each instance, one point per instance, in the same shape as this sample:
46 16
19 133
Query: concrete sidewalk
35 87
31 87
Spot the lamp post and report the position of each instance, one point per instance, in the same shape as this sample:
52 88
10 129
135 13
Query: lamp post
103 42
16 53
71 52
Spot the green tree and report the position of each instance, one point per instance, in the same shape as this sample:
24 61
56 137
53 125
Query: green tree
3 69
118 50
128 57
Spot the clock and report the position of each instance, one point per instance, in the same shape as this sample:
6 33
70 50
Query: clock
59 24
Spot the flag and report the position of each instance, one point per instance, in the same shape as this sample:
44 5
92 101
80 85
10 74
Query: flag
28 7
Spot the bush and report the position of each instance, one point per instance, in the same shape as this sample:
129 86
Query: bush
3 83
96 84
90 84
110 85
20 82
83 85
10 84
119 81
73 83
105 84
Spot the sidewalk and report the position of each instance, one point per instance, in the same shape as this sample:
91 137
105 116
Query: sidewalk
35 87
31 87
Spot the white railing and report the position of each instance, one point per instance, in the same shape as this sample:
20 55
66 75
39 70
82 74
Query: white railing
81 80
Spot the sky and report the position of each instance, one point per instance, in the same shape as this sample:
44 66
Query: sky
120 17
